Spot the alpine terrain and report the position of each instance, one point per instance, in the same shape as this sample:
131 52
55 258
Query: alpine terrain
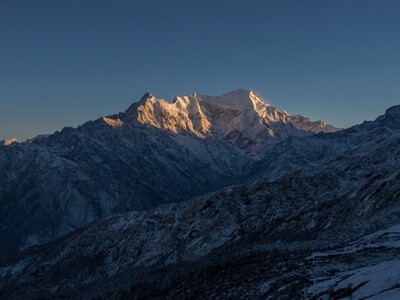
205 197
154 153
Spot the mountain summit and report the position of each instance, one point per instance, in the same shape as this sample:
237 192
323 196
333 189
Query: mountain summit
240 117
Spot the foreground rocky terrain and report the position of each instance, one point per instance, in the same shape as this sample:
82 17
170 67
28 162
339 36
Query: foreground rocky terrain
154 153
318 217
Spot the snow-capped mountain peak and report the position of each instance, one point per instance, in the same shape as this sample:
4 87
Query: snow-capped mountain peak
9 142
238 99
240 117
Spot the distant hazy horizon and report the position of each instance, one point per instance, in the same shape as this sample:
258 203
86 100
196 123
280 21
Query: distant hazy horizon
64 63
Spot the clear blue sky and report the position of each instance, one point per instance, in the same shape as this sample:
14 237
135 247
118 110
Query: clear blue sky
65 62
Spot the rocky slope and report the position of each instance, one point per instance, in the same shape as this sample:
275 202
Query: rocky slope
323 224
155 152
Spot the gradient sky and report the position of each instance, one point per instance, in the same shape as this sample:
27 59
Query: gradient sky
65 62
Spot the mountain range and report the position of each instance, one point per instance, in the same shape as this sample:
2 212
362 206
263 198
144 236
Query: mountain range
204 197
154 153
